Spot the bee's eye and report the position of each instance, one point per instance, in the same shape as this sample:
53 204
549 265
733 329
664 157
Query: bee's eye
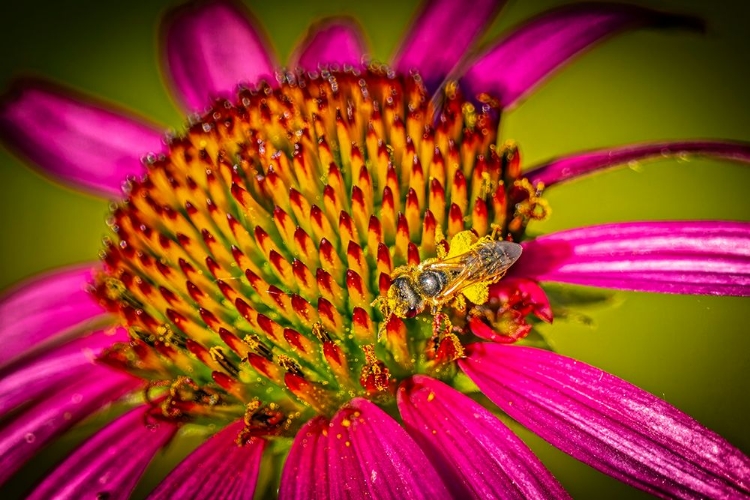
411 312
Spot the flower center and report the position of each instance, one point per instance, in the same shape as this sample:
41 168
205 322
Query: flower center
246 262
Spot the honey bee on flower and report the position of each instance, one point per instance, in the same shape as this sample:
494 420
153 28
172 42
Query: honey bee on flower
466 271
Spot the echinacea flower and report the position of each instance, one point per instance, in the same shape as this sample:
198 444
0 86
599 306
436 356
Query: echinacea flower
236 289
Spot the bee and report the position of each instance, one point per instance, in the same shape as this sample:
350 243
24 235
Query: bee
466 272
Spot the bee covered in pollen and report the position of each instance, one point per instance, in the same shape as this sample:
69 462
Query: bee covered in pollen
464 273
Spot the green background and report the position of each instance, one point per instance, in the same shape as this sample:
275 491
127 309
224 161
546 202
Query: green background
640 86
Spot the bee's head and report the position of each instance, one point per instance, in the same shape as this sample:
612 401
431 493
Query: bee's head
403 298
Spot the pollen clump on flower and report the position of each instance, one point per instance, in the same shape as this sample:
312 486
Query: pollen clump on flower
246 262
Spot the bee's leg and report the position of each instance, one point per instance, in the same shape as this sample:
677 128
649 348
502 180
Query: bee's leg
383 326
436 322
438 318
459 303
381 304
446 346
441 324
496 228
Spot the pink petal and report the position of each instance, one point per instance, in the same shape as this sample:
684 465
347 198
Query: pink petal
335 42
218 468
25 381
305 474
44 309
210 48
481 329
608 423
32 429
346 478
571 167
474 453
110 463
80 143
533 51
692 257
370 455
441 35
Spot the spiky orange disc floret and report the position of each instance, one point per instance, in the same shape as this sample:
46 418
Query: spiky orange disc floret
245 263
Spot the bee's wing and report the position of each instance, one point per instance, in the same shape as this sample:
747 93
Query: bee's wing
470 268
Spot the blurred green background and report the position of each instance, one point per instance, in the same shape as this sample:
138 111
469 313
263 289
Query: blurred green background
640 86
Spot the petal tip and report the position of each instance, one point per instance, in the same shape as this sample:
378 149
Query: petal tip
332 40
210 48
